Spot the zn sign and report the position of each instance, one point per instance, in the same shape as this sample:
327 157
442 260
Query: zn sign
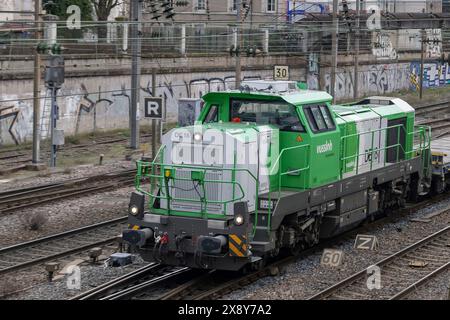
153 108
366 242
281 73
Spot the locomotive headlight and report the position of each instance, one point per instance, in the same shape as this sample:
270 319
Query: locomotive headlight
238 219
198 137
134 210
136 206
240 213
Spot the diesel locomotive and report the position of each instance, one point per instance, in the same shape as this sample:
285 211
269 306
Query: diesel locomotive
273 167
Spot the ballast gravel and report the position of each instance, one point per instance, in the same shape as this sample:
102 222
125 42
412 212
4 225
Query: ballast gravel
307 276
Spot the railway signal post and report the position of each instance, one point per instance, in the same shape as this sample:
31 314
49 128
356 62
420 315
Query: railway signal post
54 78
136 33
334 49
36 85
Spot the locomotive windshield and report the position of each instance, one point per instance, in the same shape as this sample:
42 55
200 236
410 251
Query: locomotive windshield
278 113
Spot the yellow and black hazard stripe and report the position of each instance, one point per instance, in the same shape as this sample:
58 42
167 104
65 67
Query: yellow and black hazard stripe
237 245
437 158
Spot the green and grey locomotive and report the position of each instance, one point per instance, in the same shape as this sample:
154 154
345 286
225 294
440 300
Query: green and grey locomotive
273 167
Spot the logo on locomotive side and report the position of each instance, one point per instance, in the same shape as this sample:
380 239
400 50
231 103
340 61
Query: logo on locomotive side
326 147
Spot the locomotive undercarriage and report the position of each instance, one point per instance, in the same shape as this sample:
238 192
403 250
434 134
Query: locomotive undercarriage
368 201
298 233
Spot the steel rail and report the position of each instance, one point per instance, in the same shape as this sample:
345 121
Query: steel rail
51 239
437 108
405 292
65 148
432 105
361 274
139 288
63 195
102 289
22 196
27 190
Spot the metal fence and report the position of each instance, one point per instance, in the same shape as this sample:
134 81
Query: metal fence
187 39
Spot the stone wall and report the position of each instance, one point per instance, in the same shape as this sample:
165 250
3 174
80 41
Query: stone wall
98 99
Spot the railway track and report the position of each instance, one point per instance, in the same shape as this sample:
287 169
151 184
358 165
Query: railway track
439 126
7 155
13 200
139 284
151 283
215 284
401 273
13 160
433 107
60 245
436 123
207 285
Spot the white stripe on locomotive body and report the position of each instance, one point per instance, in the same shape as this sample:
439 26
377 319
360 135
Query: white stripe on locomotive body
366 122
371 142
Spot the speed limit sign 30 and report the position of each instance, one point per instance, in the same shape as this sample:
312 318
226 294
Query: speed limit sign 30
281 73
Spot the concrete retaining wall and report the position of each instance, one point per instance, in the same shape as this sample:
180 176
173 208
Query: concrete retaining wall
92 99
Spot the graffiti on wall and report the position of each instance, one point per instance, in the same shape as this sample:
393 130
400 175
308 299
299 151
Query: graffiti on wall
435 74
15 121
382 47
386 78
387 44
433 47
11 113
89 104
84 108
374 79
344 83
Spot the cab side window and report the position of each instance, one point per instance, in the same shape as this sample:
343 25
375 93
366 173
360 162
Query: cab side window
212 115
277 113
319 118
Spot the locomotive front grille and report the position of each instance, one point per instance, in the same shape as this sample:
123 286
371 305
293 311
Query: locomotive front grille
188 189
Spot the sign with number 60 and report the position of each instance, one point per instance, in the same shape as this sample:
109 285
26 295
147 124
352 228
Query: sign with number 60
331 258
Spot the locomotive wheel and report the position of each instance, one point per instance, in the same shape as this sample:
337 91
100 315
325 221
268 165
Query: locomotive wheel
313 235
296 249
256 266
413 187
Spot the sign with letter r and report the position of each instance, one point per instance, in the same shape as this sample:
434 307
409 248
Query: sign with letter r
153 108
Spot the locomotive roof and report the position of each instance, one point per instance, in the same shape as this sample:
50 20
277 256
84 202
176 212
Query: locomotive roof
380 105
294 97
